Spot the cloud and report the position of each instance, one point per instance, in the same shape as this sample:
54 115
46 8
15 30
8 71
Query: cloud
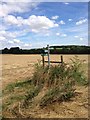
81 22
11 42
57 34
76 36
61 34
12 6
45 0
47 34
27 45
35 23
16 41
81 38
55 17
40 22
10 19
62 22
64 35
12 34
66 3
69 19
2 38
23 1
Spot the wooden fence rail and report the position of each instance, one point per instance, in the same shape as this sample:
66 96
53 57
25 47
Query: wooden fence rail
48 54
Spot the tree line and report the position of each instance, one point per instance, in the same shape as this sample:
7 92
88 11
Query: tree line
70 49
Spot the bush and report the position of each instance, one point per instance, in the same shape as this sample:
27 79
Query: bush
60 81
59 93
77 72
30 95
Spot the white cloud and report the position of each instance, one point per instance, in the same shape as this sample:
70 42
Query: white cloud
66 3
11 42
35 23
2 32
32 23
61 34
10 19
76 36
55 17
27 45
40 22
61 22
2 38
64 35
16 41
12 35
81 38
13 6
69 19
13 1
81 22
57 34
47 34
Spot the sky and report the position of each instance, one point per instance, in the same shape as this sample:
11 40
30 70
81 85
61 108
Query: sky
35 24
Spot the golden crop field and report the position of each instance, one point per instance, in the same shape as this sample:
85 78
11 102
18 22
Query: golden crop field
20 67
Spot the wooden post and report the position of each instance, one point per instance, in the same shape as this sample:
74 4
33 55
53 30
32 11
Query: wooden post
48 56
61 59
43 60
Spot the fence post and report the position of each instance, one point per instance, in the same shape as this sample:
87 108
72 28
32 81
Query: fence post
43 60
61 59
48 56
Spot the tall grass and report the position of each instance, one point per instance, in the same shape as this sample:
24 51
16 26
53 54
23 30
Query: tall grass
58 80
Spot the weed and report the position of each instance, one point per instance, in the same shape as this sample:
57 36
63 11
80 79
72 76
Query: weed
30 95
77 72
56 94
10 88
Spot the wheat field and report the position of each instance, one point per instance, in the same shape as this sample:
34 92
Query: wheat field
18 67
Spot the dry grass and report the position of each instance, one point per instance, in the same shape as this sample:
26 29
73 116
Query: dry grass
20 67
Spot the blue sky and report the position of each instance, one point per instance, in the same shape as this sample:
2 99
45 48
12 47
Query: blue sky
33 25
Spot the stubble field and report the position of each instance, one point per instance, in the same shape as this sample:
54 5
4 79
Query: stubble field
20 67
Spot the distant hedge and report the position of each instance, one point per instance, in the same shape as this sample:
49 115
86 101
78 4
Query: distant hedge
72 49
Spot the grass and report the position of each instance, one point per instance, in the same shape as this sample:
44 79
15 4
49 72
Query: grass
11 87
59 81
30 95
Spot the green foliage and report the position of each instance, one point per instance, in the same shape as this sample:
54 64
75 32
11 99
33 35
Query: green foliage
9 88
77 72
39 74
60 80
59 93
12 86
55 50
30 95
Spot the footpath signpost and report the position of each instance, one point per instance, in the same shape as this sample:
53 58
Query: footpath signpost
47 53
48 56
